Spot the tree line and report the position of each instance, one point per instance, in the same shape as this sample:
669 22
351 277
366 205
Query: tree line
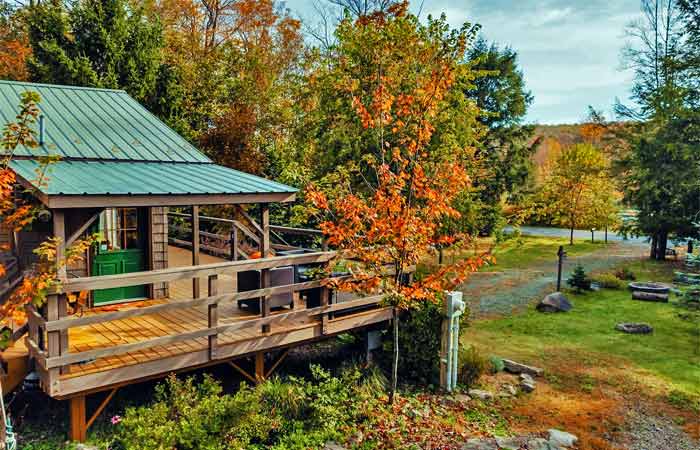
257 90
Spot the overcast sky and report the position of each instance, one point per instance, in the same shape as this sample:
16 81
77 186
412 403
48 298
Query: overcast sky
569 49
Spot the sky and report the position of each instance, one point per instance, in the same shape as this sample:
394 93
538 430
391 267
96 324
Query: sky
569 50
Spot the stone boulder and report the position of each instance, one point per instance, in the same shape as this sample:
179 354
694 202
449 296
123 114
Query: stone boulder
518 368
561 438
634 328
555 302
480 394
527 384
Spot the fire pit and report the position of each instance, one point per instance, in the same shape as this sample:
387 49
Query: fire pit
650 287
649 291
634 328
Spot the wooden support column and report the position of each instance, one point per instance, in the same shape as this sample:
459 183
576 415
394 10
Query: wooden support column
57 305
213 316
265 251
259 367
195 249
234 242
78 425
325 294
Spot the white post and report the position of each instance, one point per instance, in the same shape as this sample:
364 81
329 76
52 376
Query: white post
449 354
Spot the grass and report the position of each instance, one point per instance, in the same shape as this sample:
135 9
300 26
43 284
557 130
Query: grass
528 251
668 359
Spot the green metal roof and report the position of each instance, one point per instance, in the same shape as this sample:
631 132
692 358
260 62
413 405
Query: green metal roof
143 178
109 144
94 123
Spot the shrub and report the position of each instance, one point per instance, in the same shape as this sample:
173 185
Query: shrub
472 365
625 274
420 332
280 413
497 364
579 280
609 281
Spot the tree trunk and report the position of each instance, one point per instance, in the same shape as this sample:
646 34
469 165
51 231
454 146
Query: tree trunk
661 245
395 361
652 252
571 236
690 246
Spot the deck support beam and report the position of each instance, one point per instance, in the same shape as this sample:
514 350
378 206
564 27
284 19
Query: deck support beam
195 249
78 425
259 367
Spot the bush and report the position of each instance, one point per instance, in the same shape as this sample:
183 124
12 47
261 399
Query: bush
472 365
609 281
625 274
497 364
579 280
290 413
420 332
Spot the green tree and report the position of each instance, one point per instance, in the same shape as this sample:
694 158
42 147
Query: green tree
101 43
507 147
661 169
577 190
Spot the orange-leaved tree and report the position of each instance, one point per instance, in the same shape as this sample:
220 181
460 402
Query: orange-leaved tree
397 73
17 211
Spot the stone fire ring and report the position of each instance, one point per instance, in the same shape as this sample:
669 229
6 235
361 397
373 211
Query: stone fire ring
634 328
649 287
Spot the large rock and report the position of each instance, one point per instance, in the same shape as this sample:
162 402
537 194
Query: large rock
333 446
561 438
527 384
634 328
555 302
480 444
517 368
480 394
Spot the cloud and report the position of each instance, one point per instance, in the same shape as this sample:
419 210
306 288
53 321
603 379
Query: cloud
568 49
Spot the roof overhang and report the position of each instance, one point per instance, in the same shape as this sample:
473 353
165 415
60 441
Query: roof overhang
124 201
103 184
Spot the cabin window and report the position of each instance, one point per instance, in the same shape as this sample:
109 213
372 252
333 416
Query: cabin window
119 229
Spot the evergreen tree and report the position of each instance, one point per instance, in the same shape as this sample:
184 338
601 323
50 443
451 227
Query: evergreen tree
101 43
579 280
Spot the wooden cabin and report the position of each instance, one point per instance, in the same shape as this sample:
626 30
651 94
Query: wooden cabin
150 303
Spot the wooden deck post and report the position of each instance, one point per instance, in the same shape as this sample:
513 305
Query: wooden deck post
78 425
260 367
264 253
234 242
213 316
195 249
325 294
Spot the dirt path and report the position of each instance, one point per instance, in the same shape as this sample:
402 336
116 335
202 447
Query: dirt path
503 292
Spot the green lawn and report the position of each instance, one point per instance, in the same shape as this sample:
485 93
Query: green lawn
530 250
670 356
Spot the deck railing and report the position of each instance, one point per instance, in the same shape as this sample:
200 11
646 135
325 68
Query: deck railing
48 334
231 245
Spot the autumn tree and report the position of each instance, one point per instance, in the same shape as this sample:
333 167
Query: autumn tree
396 72
14 47
577 190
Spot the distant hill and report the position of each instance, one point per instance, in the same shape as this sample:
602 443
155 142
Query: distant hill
554 138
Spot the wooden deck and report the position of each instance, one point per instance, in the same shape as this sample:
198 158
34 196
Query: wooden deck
121 344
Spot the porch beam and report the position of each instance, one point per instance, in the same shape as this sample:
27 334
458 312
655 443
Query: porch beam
78 425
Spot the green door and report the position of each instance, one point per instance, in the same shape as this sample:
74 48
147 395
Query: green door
113 262
121 250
